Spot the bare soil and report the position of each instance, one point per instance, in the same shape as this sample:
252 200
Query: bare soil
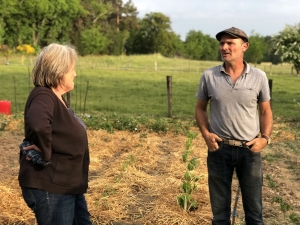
281 189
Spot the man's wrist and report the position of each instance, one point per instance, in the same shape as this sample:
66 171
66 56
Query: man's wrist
266 137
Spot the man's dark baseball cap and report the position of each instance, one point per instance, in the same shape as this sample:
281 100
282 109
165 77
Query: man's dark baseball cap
233 31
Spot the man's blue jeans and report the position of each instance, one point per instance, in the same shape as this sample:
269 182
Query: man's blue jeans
221 164
57 209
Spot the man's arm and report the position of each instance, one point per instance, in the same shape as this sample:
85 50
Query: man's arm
266 124
265 118
203 124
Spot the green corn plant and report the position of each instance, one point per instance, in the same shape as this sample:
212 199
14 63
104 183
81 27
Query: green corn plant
189 185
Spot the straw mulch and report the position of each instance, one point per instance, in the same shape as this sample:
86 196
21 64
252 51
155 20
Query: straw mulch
134 179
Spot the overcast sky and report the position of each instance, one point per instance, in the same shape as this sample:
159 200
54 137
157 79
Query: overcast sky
265 17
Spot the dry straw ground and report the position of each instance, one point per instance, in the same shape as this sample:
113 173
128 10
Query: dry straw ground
135 179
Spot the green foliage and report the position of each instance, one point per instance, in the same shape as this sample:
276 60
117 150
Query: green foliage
155 35
270 157
286 43
283 205
189 185
4 120
129 85
295 218
192 164
112 122
271 183
201 47
257 48
116 122
40 22
106 27
92 41
130 160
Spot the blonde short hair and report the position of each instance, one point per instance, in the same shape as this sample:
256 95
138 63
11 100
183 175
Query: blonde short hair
52 63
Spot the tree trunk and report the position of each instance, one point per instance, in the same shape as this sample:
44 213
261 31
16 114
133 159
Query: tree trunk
118 18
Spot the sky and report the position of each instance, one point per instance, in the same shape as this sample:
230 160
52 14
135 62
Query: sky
263 17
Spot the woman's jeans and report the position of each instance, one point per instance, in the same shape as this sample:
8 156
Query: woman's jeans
221 164
57 209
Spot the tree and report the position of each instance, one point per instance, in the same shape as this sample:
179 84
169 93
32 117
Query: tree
287 44
88 23
200 47
5 11
192 45
269 55
92 41
41 22
119 25
257 48
154 35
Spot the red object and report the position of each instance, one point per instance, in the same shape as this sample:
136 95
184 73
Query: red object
5 107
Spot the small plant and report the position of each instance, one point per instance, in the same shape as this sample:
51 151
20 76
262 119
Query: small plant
4 120
271 183
129 161
159 126
283 205
272 157
189 185
295 218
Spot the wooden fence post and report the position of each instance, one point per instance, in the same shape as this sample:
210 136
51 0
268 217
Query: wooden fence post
15 93
69 99
169 91
271 87
85 97
29 80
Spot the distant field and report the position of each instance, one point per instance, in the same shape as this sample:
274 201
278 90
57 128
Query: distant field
136 85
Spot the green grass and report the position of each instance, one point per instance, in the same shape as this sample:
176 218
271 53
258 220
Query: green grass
130 85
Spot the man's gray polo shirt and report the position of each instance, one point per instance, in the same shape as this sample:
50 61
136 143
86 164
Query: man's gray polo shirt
233 107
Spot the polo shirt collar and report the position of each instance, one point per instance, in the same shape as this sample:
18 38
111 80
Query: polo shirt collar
247 70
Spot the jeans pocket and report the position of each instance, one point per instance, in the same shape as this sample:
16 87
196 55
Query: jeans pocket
29 197
220 144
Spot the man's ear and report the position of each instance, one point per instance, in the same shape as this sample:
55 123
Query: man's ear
245 46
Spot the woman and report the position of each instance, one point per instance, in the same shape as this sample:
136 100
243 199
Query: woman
55 193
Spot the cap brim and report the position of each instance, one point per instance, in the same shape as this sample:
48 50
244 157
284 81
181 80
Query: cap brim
219 35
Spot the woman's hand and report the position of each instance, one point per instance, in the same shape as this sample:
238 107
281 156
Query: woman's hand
31 147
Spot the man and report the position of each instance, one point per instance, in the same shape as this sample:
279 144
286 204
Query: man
236 132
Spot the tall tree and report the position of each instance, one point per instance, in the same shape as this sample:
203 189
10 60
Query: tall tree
286 43
90 23
269 55
257 48
92 41
41 22
201 47
6 8
154 33
120 23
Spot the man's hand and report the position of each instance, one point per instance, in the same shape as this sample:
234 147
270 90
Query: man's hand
212 140
257 144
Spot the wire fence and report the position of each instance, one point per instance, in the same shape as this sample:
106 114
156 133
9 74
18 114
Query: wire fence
132 87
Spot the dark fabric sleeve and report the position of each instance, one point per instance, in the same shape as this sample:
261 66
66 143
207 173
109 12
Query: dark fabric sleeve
38 120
